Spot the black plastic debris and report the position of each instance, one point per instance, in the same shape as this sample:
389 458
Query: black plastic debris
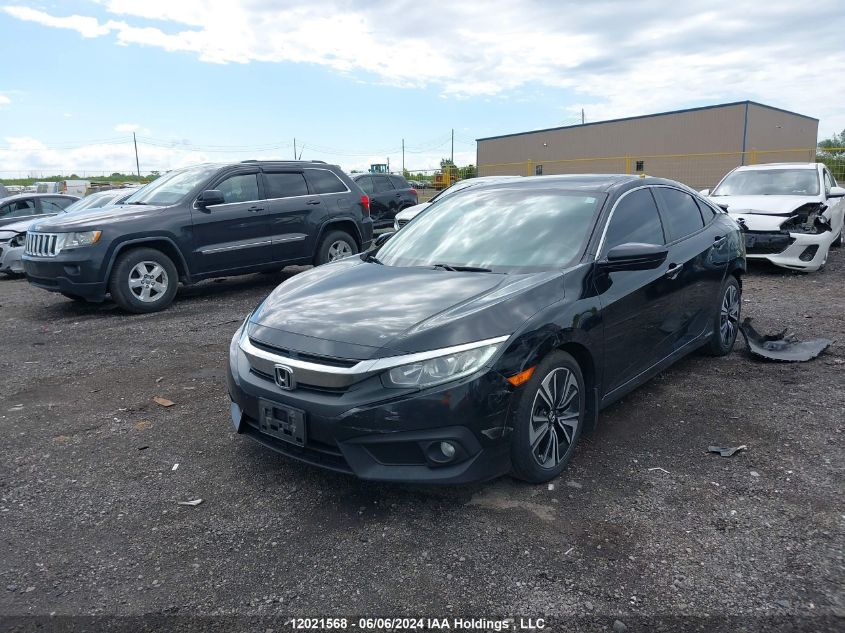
726 451
781 347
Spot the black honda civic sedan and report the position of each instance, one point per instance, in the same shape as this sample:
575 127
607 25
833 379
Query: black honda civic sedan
485 336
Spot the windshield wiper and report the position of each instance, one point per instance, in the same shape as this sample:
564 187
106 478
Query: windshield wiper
463 269
138 202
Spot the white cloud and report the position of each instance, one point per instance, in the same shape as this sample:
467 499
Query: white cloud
4 100
623 59
22 155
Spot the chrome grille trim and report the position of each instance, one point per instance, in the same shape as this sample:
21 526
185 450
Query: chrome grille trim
335 377
41 244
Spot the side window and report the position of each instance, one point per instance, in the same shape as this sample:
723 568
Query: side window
635 219
21 209
707 212
682 215
64 203
382 184
50 206
5 210
324 181
828 182
240 188
366 184
284 185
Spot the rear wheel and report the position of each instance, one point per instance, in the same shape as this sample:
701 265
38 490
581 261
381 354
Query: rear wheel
143 280
726 325
335 245
549 419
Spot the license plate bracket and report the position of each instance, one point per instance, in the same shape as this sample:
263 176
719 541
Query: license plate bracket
282 422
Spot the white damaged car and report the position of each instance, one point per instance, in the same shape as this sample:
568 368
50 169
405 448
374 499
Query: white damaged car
791 212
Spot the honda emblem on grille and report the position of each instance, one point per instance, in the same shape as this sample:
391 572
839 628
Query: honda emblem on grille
284 377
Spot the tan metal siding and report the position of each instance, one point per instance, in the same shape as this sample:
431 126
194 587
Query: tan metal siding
770 130
696 147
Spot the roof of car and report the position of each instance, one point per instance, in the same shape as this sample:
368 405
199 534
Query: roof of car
777 166
22 196
593 182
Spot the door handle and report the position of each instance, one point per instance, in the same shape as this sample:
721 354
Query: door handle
313 202
673 271
720 239
255 209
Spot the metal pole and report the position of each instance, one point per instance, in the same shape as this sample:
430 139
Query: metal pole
453 146
137 164
403 156
294 148
582 116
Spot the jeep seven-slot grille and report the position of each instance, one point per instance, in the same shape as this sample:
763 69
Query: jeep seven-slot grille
41 244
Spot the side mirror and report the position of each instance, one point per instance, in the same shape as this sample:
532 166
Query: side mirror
634 256
381 239
836 192
210 197
704 192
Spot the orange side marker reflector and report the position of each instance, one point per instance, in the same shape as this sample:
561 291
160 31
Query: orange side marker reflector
522 377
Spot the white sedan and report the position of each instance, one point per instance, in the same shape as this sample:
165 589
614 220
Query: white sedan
791 212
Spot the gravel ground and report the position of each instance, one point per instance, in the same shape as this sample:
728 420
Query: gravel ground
645 527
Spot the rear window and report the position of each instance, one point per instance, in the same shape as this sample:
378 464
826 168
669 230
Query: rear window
285 185
399 182
324 181
682 216
382 184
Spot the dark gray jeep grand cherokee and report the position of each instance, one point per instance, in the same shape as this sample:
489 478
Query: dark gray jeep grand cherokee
200 222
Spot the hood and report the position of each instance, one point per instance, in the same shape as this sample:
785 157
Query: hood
759 222
371 310
94 218
410 213
765 205
23 225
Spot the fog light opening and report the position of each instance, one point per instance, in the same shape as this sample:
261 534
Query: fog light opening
448 450
809 253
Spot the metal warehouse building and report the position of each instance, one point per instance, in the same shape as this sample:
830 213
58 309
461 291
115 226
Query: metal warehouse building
695 146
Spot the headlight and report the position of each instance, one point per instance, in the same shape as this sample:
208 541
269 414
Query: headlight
433 371
234 349
77 240
18 241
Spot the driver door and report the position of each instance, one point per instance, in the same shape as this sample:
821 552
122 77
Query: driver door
236 234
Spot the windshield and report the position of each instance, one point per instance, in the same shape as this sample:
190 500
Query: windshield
504 230
93 201
172 187
770 182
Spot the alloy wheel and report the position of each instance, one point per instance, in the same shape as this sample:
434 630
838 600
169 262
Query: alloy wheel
339 249
729 316
555 416
148 281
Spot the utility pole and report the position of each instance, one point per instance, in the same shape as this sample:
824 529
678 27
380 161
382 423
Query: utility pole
137 164
294 148
453 146
403 156
582 116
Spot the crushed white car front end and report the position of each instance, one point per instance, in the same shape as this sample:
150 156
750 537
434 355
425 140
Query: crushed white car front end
788 231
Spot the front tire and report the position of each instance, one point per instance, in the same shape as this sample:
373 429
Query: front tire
548 419
143 280
726 320
335 245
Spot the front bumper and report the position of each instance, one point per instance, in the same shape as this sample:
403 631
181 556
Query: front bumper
66 273
388 435
10 259
786 249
